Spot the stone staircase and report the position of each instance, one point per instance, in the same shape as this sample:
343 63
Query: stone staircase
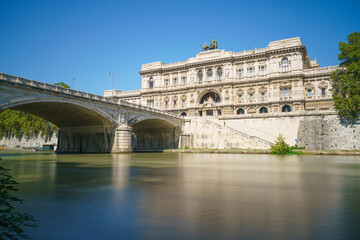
206 133
241 133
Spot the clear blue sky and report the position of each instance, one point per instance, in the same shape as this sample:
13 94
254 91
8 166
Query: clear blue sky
52 41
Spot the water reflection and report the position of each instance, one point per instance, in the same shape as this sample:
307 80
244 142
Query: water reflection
194 196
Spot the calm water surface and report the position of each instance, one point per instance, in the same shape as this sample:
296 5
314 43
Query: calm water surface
189 196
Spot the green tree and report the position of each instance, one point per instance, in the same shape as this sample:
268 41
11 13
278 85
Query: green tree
346 81
62 84
280 147
23 124
12 222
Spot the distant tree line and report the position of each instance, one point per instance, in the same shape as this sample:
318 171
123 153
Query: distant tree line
20 124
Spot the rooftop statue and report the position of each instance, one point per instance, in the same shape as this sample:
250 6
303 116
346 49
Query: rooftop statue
213 45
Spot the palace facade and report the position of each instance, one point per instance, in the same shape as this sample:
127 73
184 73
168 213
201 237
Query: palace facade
277 80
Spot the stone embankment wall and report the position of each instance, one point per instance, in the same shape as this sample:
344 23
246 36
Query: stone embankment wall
208 134
27 142
326 132
267 128
329 133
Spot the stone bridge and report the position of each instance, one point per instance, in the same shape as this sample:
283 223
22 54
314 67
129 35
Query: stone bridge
91 123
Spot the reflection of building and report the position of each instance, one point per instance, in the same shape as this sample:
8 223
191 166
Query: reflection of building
278 79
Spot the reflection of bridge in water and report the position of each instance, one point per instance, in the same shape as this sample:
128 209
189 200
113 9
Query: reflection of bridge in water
92 123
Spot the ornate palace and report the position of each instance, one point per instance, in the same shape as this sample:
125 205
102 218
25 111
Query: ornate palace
277 80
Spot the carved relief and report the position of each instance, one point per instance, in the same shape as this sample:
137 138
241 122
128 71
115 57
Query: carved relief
263 90
251 110
227 95
323 84
251 91
239 91
309 86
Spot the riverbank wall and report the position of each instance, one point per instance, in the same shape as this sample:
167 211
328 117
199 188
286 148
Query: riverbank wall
310 131
316 132
27 142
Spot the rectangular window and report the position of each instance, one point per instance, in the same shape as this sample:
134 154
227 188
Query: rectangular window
175 81
240 98
309 93
323 92
251 72
150 103
174 104
262 70
183 102
209 113
285 92
209 75
239 73
183 80
167 82
219 112
166 104
262 96
251 97
200 113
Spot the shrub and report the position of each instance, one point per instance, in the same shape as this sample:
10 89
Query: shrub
280 147
12 221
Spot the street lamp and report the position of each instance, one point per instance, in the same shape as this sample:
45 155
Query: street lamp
112 74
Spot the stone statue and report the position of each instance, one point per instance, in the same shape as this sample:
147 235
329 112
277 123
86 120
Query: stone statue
205 47
213 45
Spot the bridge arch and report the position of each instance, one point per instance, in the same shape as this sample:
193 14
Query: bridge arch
83 128
36 106
155 133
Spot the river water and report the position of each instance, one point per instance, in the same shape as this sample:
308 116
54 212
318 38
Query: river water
188 196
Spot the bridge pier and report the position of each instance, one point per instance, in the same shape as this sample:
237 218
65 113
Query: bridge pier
122 140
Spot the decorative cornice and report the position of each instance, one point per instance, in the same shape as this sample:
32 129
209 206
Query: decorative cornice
231 59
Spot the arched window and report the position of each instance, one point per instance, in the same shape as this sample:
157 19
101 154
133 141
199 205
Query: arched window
240 111
285 65
151 82
286 108
263 110
209 75
219 73
183 114
200 76
210 96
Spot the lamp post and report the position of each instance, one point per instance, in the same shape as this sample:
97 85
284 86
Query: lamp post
72 82
112 74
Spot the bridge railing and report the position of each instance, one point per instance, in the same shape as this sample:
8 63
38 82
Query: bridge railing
72 92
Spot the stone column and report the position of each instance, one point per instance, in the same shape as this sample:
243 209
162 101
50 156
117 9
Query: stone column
122 140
